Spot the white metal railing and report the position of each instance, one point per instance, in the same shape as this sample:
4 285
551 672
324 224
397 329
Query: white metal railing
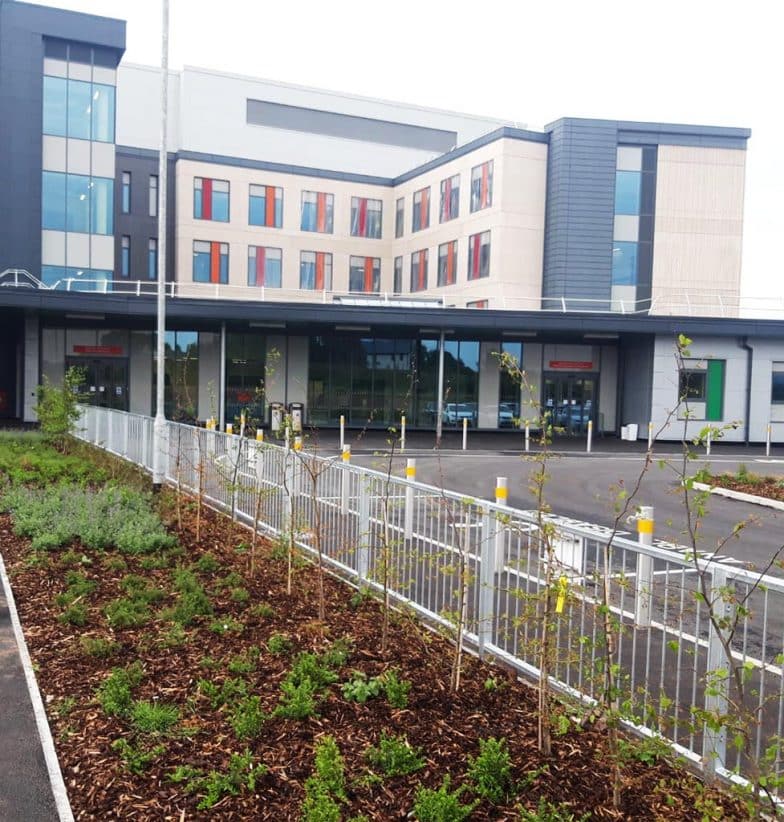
363 521
693 302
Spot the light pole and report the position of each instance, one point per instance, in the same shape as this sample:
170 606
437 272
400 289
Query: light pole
159 430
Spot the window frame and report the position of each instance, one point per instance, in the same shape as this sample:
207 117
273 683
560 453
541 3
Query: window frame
476 238
443 280
277 210
267 260
375 273
327 264
476 198
776 368
152 196
152 258
125 255
126 181
212 192
223 262
420 262
397 275
687 373
329 212
445 214
400 217
356 217
420 211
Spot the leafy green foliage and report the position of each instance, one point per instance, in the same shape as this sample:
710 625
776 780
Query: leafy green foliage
394 756
298 700
242 773
27 459
549 812
136 759
245 663
207 564
442 805
231 689
109 517
240 595
359 688
115 693
278 644
192 600
127 613
57 407
75 614
226 625
395 689
153 717
327 785
490 773
248 718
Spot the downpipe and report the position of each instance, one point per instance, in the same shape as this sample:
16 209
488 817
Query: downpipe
744 344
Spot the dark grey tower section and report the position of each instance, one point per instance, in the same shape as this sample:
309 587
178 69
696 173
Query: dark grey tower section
22 31
580 212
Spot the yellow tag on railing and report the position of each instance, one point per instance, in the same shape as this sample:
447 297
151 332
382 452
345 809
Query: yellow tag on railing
563 584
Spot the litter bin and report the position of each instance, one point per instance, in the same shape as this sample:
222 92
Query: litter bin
297 415
277 409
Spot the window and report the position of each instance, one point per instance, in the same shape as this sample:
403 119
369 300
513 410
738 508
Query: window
479 255
181 369
80 279
447 263
365 218
777 383
265 266
78 109
266 206
317 212
420 217
704 385
152 206
450 198
73 202
691 385
627 192
624 263
125 256
152 258
397 285
509 388
315 270
125 204
211 199
477 304
482 186
210 262
400 207
419 270
364 274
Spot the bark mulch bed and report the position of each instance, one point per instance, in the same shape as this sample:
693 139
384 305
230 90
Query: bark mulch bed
446 726
758 486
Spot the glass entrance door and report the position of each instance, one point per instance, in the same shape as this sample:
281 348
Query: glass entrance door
570 401
105 381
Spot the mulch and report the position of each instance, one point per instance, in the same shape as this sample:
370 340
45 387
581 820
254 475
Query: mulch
446 726
768 487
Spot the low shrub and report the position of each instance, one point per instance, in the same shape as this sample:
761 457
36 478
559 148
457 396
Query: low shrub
226 625
298 700
327 785
248 718
359 688
114 694
207 564
126 612
75 614
230 690
442 805
136 758
490 773
245 663
395 689
242 773
98 646
278 644
394 756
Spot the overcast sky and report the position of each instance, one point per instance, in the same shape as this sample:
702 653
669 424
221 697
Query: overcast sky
680 61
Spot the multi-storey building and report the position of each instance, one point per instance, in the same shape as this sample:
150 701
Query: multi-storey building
330 246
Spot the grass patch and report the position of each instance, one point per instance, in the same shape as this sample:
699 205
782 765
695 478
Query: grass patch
115 693
153 717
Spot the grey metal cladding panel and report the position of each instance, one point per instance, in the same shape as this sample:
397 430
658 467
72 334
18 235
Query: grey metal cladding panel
21 89
669 139
68 25
335 124
580 209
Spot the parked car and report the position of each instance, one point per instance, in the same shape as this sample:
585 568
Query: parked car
507 415
456 412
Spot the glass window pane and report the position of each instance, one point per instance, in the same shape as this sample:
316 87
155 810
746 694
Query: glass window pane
624 264
777 386
79 109
102 211
103 113
53 201
273 269
77 205
629 158
257 209
55 96
220 206
201 262
627 192
153 196
307 270
308 216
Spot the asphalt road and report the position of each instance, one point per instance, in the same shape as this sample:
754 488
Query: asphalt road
585 486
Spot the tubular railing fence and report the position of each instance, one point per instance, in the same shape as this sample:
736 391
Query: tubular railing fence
683 625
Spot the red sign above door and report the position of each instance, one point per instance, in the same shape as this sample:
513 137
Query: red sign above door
572 365
99 350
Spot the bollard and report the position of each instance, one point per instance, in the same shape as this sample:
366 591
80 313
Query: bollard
342 431
501 498
527 437
345 480
767 441
708 443
644 580
501 490
242 422
408 514
403 433
297 443
229 428
259 435
589 441
650 435
465 433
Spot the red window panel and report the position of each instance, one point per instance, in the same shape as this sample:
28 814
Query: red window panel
319 269
425 213
269 206
321 213
445 215
368 268
476 246
363 218
206 198
260 265
485 195
214 262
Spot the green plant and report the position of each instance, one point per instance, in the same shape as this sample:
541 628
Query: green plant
337 654
57 408
64 706
394 756
74 614
232 688
226 625
549 812
298 700
490 773
207 564
360 597
231 580
240 595
98 646
359 688
127 613
262 610
441 805
192 602
326 786
248 718
319 806
245 663
153 717
184 773
242 773
395 689
278 644
149 563
136 759
114 694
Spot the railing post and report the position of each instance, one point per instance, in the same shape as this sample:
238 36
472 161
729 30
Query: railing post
527 436
403 432
487 573
345 479
110 432
259 460
408 514
644 580
126 434
589 441
714 745
708 443
501 498
363 534
650 435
